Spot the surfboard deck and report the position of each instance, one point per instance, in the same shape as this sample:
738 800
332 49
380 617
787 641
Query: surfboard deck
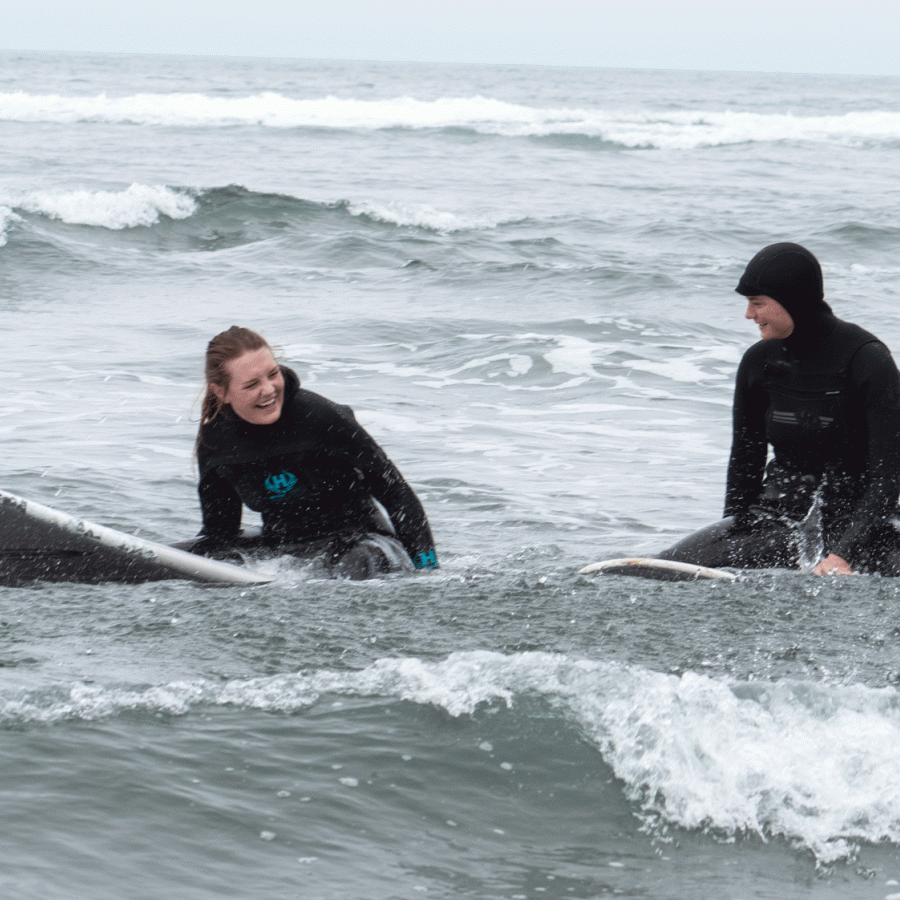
657 569
39 543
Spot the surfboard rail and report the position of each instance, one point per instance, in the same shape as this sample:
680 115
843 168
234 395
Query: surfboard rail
39 543
657 569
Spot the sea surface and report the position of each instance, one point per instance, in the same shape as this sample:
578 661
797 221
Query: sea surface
522 280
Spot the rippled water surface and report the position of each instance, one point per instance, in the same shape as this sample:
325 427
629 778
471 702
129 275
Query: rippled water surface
522 281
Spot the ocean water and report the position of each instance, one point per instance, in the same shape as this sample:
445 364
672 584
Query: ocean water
522 281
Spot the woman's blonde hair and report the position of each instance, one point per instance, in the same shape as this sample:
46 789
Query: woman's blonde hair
223 348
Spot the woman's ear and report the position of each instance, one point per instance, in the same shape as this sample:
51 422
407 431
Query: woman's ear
218 390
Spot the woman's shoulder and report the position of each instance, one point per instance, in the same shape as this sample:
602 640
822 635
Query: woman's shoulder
310 405
215 435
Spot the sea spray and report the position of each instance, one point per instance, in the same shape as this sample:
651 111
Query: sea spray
812 763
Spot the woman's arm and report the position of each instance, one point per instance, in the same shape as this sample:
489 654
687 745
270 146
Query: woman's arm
220 507
384 482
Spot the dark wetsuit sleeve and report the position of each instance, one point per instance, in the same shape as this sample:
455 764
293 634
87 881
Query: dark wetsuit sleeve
220 507
385 483
874 377
749 448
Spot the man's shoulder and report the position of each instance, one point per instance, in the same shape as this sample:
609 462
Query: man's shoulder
862 347
756 355
856 335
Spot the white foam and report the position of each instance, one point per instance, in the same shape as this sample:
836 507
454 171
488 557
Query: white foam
684 370
680 129
134 206
575 356
275 110
688 130
420 216
813 763
7 217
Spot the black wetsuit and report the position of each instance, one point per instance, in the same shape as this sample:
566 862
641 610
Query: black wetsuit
827 400
312 476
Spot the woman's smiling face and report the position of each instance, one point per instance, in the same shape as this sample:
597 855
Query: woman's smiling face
255 387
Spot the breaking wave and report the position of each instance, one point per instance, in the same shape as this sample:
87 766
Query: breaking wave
811 763
632 129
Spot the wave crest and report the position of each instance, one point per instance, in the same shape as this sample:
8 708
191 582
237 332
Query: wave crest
137 205
632 129
813 763
223 216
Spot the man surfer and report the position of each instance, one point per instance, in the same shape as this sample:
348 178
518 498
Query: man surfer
825 395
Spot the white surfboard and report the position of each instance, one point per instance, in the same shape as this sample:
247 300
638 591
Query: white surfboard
38 543
658 569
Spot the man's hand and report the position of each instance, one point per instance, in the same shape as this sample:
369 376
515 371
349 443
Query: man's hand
833 565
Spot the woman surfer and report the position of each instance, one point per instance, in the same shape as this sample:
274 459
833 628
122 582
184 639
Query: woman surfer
303 463
825 395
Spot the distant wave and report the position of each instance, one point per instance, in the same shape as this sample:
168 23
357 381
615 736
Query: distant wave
136 205
415 215
141 205
684 129
813 763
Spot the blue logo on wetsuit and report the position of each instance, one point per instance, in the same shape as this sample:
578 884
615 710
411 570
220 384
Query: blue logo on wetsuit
279 485
427 559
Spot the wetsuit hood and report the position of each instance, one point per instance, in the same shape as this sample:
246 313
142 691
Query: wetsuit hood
791 275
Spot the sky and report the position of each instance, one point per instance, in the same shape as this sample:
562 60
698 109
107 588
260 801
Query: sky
857 37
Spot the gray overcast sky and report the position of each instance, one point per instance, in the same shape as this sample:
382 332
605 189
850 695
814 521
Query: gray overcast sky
843 36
